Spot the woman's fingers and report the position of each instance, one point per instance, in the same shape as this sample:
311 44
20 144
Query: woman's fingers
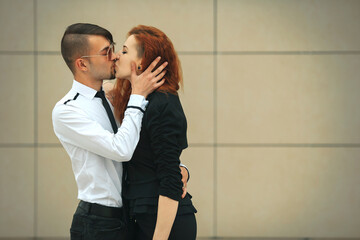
158 84
159 69
160 76
152 65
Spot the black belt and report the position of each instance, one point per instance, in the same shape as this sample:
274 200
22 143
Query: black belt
101 211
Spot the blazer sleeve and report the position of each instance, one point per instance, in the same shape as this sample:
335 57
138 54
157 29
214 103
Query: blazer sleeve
166 125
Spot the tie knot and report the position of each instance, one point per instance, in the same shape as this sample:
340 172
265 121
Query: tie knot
100 94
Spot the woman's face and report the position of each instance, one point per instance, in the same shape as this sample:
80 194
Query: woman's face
128 54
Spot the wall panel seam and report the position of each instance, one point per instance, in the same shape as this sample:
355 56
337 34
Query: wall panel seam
36 155
215 52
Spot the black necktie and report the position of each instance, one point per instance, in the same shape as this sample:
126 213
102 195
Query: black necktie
105 103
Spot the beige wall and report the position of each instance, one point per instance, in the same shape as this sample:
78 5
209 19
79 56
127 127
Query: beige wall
271 96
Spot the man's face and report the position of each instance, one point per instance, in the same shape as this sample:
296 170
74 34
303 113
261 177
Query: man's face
100 58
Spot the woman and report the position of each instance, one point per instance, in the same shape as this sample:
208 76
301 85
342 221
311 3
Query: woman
153 183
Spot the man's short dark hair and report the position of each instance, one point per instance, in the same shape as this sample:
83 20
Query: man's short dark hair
75 44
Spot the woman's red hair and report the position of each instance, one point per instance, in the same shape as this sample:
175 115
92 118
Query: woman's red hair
151 43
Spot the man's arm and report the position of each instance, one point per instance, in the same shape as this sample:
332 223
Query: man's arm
185 178
73 125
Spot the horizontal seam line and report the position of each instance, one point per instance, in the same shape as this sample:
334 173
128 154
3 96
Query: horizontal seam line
352 52
314 145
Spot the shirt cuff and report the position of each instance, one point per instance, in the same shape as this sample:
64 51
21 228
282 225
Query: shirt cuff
138 101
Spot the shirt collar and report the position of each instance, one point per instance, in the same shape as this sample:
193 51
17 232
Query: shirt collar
84 90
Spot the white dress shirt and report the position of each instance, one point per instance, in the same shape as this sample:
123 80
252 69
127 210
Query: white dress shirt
84 129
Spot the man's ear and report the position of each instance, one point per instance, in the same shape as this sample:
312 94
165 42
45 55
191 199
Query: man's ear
81 65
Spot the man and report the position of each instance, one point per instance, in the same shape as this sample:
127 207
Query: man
84 123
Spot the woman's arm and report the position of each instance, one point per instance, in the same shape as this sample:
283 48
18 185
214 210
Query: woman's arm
167 209
166 124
